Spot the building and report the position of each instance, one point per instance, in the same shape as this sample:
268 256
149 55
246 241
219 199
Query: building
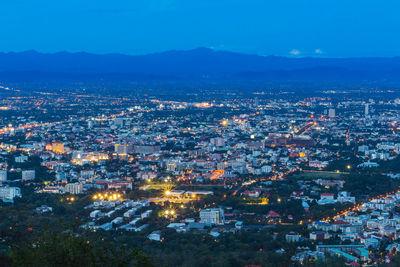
106 226
171 166
371 242
87 174
266 169
143 149
20 159
331 113
155 236
9 193
3 176
218 142
43 209
318 164
145 214
345 197
28 175
119 122
344 248
368 164
117 220
252 193
366 110
319 236
122 149
212 216
239 225
90 124
292 237
95 213
58 147
73 188
327 196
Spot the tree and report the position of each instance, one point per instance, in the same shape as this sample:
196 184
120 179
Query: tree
67 249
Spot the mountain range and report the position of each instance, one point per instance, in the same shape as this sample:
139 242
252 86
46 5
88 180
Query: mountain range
200 64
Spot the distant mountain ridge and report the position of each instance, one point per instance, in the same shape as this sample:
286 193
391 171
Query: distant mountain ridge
201 63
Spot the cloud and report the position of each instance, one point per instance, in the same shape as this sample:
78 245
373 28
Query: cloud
295 52
318 51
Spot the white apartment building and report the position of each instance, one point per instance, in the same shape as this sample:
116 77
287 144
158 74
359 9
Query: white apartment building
212 216
73 188
9 193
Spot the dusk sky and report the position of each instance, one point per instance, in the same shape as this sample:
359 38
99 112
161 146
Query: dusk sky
330 28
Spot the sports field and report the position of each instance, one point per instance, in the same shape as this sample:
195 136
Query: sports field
321 175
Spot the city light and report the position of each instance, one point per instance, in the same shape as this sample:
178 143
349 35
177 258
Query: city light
107 196
71 199
169 212
168 164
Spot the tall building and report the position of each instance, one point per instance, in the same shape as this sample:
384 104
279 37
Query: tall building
331 113
90 124
3 176
9 193
28 175
73 188
212 216
366 111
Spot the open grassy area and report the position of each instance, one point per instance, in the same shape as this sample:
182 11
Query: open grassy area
320 175
156 187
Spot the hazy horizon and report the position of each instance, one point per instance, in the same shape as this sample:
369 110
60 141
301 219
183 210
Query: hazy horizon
193 49
359 28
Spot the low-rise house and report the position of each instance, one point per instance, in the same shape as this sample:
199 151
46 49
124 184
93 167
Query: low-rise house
107 226
155 236
117 220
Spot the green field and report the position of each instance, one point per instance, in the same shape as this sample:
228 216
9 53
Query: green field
156 187
320 175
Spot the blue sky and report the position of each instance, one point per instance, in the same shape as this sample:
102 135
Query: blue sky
330 28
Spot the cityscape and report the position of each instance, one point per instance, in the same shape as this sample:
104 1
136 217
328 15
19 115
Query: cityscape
166 133
313 178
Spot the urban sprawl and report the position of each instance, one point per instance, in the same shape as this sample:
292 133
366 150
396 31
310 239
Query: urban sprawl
317 177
